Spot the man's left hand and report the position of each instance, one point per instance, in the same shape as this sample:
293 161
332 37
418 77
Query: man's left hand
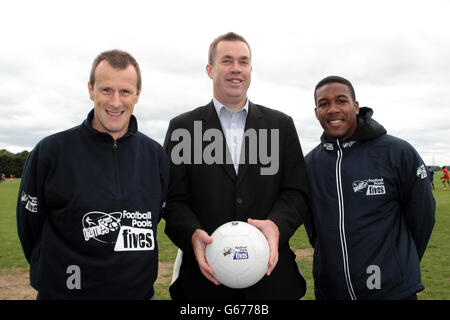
272 234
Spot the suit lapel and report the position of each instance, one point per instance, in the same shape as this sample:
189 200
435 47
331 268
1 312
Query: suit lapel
251 123
211 120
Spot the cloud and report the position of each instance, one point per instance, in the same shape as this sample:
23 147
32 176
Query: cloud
395 55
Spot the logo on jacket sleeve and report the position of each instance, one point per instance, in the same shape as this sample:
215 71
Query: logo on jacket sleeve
371 187
31 203
422 172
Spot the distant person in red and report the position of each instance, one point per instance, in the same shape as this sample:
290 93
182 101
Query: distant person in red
12 177
446 177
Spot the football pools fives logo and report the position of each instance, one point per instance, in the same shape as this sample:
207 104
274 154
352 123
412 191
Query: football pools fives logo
422 172
31 203
129 231
238 252
369 187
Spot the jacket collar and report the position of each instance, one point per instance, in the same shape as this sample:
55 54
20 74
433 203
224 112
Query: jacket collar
87 125
367 129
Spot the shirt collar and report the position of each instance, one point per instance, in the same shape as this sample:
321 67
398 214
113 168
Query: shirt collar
218 106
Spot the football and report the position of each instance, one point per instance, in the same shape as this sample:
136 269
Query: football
239 254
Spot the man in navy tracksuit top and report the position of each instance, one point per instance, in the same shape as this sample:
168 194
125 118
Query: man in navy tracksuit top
373 210
90 197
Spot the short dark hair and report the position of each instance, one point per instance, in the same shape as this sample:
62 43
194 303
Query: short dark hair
230 36
117 59
333 79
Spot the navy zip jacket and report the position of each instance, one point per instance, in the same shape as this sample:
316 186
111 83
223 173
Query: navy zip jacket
373 215
87 213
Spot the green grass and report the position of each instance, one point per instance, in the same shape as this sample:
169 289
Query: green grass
11 254
167 255
434 266
435 263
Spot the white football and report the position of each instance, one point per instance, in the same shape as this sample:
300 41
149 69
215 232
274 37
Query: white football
239 254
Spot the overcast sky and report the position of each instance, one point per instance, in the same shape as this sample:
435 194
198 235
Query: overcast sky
396 54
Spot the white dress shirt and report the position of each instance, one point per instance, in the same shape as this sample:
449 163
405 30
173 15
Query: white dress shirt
233 126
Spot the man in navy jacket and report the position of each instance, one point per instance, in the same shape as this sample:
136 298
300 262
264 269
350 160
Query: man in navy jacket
372 203
90 197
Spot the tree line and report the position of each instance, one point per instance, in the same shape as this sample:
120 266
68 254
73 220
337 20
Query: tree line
12 163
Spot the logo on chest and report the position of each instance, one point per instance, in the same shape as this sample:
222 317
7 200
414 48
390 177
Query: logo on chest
369 187
101 226
129 231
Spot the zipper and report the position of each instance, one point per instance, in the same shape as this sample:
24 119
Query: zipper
116 166
342 222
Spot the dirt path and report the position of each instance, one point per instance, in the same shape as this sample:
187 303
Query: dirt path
15 284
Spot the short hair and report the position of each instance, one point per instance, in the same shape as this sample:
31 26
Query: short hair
119 60
333 79
230 36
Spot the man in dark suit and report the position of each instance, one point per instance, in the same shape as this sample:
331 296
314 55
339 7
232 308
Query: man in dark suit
234 160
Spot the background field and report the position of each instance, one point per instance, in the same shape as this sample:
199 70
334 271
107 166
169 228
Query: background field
14 268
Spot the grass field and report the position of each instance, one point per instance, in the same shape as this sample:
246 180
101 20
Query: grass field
435 264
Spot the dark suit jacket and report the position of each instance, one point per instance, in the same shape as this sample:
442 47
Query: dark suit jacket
206 196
